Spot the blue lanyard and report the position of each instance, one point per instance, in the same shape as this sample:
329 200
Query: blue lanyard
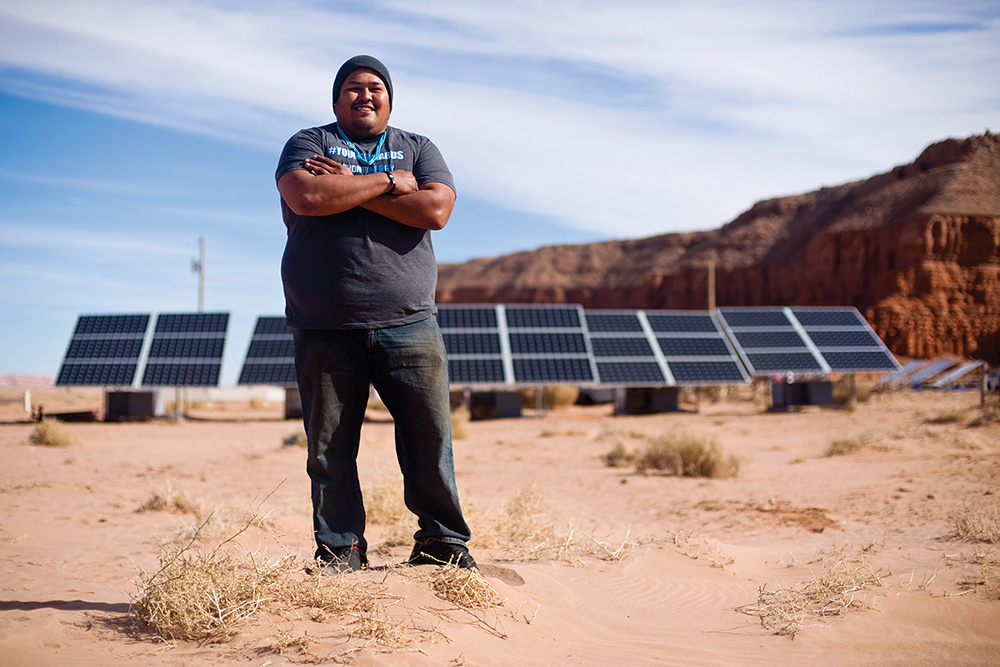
367 159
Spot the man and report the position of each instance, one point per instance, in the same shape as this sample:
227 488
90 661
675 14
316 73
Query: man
359 199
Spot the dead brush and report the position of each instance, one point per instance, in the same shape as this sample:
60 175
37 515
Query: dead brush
851 444
989 413
465 588
460 418
169 499
684 453
50 433
840 591
981 525
620 456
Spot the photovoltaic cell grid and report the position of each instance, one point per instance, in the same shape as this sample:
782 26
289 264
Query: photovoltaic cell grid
104 350
473 344
805 340
186 350
694 348
270 358
549 344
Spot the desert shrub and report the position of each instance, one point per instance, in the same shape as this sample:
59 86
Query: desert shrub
989 413
203 597
837 592
851 444
50 433
977 525
553 396
863 390
688 454
954 416
384 504
169 499
620 456
460 418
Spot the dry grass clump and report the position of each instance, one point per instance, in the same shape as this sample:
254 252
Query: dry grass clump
620 456
204 597
169 499
50 433
684 453
527 530
460 417
863 390
954 416
977 525
553 396
851 444
465 588
297 439
989 413
838 592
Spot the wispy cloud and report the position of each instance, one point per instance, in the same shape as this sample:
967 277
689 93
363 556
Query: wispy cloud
592 113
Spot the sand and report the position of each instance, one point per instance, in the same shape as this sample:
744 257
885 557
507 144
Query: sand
695 553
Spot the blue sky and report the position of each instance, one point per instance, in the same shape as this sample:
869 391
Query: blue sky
130 128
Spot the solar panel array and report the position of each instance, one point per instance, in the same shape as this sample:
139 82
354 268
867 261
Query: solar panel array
270 359
805 340
496 344
104 350
186 350
119 350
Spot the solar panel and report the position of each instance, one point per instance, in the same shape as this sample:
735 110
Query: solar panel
270 357
544 317
694 349
811 340
548 343
186 350
708 372
475 371
633 373
467 317
844 339
621 347
681 322
614 322
475 343
104 350
552 370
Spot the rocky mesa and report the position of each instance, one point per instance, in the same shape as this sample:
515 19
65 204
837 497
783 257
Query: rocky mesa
915 249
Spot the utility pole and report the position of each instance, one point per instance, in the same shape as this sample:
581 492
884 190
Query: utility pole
198 266
711 285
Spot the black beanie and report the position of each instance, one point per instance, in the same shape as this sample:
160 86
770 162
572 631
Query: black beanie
358 62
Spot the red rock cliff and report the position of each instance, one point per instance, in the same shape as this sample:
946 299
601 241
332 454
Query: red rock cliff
916 250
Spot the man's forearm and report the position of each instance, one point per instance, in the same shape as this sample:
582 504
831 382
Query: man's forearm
427 208
328 194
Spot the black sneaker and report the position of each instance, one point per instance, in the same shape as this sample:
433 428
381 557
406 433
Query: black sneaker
435 552
344 559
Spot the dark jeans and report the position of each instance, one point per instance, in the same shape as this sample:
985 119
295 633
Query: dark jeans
408 369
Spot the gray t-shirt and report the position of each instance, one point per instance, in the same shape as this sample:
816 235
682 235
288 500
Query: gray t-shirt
358 269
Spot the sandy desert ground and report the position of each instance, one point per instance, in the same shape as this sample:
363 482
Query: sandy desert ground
622 567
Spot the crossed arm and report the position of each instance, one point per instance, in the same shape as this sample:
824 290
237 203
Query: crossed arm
326 187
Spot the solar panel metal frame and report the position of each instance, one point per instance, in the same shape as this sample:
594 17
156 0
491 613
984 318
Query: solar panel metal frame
271 370
171 368
105 371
